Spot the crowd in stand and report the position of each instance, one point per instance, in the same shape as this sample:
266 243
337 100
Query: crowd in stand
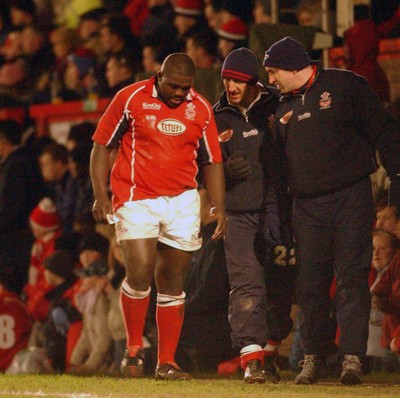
60 273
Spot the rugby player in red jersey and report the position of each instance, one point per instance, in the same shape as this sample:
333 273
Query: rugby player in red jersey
163 131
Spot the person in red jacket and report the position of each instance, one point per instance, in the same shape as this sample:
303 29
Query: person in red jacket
15 325
362 59
45 224
386 297
58 322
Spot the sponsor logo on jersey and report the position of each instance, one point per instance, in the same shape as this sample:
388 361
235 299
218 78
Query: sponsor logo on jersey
171 127
225 135
190 112
154 106
305 115
325 101
285 118
250 133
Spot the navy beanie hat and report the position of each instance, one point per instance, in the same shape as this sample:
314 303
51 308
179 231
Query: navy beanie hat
242 65
287 54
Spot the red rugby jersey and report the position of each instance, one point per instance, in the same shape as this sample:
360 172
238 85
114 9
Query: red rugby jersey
15 327
159 145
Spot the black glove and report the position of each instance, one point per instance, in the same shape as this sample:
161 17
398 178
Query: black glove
237 167
394 192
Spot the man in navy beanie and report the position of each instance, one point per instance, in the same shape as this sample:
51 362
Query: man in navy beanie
244 116
329 124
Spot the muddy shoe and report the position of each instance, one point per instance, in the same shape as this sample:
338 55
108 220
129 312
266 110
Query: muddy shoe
132 366
311 368
351 373
171 372
254 373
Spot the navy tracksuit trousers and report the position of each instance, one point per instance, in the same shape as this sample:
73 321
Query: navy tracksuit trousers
333 235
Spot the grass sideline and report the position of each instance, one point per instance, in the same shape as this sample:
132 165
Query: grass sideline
65 386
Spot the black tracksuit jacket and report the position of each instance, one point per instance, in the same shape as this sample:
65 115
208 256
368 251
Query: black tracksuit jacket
252 134
330 132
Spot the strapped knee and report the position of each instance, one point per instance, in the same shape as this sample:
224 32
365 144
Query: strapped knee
165 300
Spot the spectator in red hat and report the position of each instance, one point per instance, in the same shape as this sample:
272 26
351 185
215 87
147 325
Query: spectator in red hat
189 18
232 35
46 228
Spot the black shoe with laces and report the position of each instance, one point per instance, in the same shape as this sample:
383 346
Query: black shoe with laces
311 367
254 373
132 366
172 372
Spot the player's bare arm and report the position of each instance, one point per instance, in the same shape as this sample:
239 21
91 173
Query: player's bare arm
99 171
214 180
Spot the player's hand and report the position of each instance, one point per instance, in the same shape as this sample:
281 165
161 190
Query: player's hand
220 216
237 167
101 207
395 345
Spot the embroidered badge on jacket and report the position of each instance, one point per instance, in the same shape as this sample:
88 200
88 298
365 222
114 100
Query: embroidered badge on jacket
225 135
325 101
285 118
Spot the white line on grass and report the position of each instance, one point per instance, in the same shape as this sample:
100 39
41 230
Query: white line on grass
48 394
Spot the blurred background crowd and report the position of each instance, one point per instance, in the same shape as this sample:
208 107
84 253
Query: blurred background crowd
60 273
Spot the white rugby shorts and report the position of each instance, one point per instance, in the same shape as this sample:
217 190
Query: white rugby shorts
174 221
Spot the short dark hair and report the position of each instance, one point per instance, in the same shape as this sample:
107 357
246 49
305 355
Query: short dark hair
11 131
206 39
125 59
82 132
57 151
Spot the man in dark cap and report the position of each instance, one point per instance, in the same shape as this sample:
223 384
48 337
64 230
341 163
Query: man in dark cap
329 123
244 117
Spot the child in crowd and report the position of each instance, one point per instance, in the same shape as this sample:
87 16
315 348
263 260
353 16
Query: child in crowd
46 228
57 321
93 351
387 217
385 246
116 327
386 297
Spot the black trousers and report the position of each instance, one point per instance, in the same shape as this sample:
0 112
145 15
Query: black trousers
333 236
256 314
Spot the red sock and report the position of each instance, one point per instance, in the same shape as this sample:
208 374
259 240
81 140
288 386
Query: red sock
257 355
169 323
134 312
